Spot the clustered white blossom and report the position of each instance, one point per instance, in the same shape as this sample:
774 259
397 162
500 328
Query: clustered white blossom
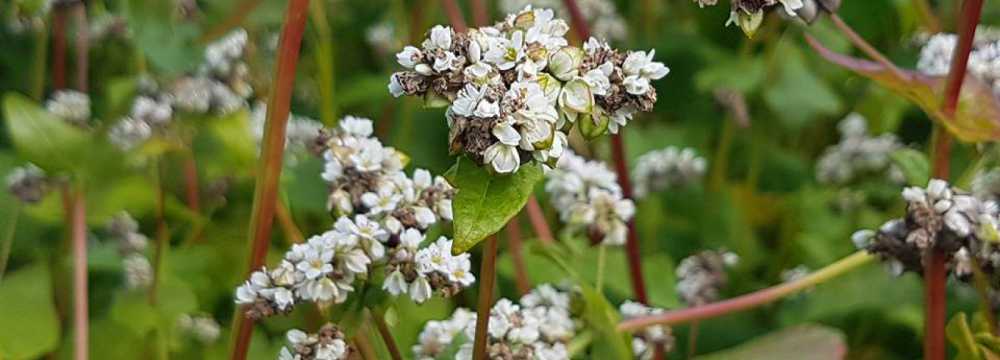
602 15
539 327
700 277
420 272
667 168
327 344
984 59
131 245
859 153
203 328
514 89
71 106
222 82
588 197
749 14
645 342
148 113
943 218
28 183
300 132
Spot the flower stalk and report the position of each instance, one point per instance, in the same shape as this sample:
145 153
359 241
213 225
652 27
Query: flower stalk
272 148
538 222
386 334
454 15
82 45
78 230
8 238
487 279
516 248
752 300
865 47
58 47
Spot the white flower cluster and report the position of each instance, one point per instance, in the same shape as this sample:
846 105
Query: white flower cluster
131 245
27 183
667 168
203 328
984 60
700 277
222 83
602 15
382 38
301 132
514 89
645 342
939 217
71 106
420 272
749 14
149 113
587 196
537 328
321 270
859 153
327 344
367 178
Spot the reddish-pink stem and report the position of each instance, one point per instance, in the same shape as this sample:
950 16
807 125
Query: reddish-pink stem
192 190
454 15
487 279
82 46
538 222
480 12
59 47
81 320
517 256
269 173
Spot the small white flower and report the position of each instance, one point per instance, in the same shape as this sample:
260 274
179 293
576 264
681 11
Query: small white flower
420 289
504 158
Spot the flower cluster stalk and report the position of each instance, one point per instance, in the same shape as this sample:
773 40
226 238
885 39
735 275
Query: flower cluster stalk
515 246
58 48
487 279
538 222
386 334
272 148
81 321
454 15
82 46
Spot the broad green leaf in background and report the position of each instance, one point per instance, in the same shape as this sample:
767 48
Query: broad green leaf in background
29 326
42 138
743 75
914 166
609 343
803 342
485 202
167 44
798 95
977 118
973 342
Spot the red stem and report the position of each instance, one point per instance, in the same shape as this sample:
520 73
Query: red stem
517 256
59 48
82 46
269 173
191 183
935 274
621 168
80 317
487 279
538 222
967 22
480 13
454 15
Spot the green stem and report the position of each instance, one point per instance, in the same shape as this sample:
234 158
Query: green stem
271 155
602 255
721 163
162 236
324 57
751 300
8 238
41 51
386 335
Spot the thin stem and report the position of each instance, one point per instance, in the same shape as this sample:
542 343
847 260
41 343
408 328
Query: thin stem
487 279
602 256
82 46
454 15
269 166
239 15
721 163
292 232
693 339
59 47
865 47
751 300
162 235
514 244
576 18
935 275
81 319
967 22
538 222
480 12
41 50
926 13
192 190
325 63
8 238
386 334
365 348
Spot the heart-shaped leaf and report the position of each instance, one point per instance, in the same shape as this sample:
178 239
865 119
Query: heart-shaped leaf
977 118
30 323
804 342
485 202
42 138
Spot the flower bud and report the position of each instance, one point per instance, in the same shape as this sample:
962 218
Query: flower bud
576 97
434 100
525 20
564 64
593 125
747 22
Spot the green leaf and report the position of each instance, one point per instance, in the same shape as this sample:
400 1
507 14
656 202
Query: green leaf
42 138
735 73
961 336
977 118
914 166
803 342
602 317
798 95
30 326
168 44
485 202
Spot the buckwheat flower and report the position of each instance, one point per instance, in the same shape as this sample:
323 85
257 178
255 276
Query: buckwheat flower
138 271
71 106
588 198
748 14
155 112
125 229
28 183
602 15
327 344
193 94
639 69
667 168
702 276
437 336
201 327
984 58
645 342
859 154
128 133
222 56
